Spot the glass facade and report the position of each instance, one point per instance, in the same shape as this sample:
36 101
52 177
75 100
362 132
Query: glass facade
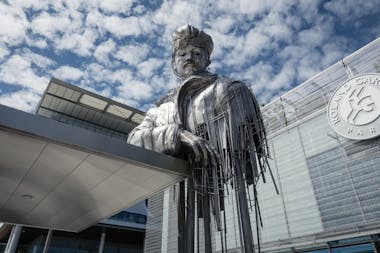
129 217
32 240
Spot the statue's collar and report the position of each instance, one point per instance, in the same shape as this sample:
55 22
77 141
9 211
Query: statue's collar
192 85
201 77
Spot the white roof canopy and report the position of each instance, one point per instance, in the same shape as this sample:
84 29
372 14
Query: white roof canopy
58 176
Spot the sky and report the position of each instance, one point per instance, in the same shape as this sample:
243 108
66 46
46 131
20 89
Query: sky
121 49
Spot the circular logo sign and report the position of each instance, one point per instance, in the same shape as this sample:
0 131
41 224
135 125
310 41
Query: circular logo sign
354 108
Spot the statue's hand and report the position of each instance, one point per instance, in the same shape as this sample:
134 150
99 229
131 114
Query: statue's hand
201 150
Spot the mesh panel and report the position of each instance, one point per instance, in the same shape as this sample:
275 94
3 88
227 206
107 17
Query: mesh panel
313 95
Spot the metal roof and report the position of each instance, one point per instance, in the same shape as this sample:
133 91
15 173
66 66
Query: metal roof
62 99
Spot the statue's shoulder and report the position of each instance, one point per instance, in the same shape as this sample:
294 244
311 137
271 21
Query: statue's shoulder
226 83
169 97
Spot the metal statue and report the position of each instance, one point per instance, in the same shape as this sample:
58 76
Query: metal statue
216 124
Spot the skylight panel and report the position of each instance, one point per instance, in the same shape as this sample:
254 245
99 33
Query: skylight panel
53 88
93 102
119 111
137 118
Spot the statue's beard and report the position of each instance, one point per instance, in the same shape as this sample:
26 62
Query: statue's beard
188 70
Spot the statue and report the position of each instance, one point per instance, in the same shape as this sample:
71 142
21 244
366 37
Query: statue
216 124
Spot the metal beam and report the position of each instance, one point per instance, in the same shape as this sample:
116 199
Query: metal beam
48 240
13 240
102 241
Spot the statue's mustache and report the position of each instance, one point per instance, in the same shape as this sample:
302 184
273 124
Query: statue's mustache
188 62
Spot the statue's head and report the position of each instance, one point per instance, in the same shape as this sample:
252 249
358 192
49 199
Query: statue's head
191 51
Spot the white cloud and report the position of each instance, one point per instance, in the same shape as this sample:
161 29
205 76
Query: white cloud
103 50
25 100
14 24
260 74
275 25
255 7
33 41
37 59
223 24
173 14
130 26
30 4
4 51
121 27
97 73
118 6
283 79
224 42
65 29
17 70
149 67
122 76
255 42
135 89
81 44
352 9
132 54
334 51
246 48
49 25
67 73
94 19
139 9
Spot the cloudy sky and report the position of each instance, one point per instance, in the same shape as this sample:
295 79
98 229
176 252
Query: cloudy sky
121 48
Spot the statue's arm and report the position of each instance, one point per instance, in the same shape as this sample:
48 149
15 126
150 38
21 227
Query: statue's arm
163 138
172 139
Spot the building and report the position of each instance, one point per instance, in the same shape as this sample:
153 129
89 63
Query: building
58 196
329 197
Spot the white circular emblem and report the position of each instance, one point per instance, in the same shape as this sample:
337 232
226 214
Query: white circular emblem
354 108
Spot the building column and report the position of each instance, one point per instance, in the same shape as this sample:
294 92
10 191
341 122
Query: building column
376 246
102 241
13 240
47 241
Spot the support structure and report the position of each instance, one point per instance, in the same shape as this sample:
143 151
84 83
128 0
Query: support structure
48 240
102 241
13 240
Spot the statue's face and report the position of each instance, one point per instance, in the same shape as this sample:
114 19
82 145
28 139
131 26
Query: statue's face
190 60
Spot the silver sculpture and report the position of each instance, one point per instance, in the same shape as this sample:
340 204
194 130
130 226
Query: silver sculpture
216 124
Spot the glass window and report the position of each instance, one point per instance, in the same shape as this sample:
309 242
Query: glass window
361 248
317 136
316 251
301 208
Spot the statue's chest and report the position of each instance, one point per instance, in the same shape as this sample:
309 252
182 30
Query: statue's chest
200 109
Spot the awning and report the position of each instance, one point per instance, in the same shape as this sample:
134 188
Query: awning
58 176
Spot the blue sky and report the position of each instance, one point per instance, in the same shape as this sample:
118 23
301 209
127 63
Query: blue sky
121 48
